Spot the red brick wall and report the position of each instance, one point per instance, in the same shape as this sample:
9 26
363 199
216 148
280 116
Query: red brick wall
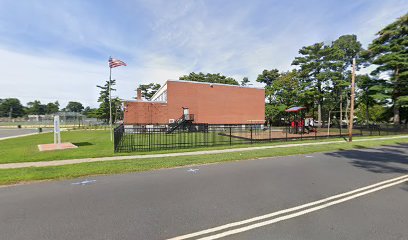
145 113
216 104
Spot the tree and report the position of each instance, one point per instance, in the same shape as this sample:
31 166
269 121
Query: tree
274 113
11 107
74 107
267 77
376 113
90 112
103 110
244 81
209 77
313 72
148 90
51 108
286 88
339 59
389 52
284 92
36 108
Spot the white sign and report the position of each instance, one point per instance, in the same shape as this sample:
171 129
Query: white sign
57 134
56 124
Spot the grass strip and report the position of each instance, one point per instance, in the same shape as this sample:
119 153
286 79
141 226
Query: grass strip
93 144
12 176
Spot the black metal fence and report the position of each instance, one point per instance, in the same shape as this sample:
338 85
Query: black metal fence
153 138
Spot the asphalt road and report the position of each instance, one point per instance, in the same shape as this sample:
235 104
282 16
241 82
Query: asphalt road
170 203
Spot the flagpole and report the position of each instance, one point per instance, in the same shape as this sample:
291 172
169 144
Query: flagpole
112 63
110 104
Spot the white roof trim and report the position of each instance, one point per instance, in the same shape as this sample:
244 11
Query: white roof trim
133 100
160 91
216 84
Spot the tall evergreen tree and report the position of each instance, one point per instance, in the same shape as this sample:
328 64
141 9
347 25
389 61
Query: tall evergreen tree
389 53
268 77
148 90
313 72
340 60
103 110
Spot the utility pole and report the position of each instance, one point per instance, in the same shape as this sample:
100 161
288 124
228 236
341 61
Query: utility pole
353 76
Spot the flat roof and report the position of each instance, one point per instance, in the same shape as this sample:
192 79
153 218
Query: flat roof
217 84
208 83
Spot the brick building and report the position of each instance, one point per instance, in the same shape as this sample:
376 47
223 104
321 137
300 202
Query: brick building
199 102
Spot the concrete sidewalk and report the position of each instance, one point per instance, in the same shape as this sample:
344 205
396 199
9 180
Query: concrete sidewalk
102 159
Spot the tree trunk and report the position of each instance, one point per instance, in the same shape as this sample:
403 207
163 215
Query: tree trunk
367 110
319 106
319 114
396 94
341 108
396 114
347 110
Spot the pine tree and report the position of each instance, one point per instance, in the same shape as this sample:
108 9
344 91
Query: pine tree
389 52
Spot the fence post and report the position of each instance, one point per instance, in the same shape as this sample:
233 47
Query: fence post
315 130
340 126
270 130
251 135
230 136
148 138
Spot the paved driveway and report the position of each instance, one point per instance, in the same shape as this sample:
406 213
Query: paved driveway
15 132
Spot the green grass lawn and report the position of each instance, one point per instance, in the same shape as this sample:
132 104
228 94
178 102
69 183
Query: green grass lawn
93 143
11 176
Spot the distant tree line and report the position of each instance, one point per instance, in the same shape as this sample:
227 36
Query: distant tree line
12 107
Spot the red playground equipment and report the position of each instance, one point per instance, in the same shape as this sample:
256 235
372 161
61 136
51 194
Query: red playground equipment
297 121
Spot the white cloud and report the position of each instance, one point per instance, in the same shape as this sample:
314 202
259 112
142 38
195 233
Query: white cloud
65 78
163 40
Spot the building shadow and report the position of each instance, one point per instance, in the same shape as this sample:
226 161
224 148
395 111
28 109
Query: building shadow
81 144
405 186
386 159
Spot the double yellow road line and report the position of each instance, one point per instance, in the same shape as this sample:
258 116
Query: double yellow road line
274 217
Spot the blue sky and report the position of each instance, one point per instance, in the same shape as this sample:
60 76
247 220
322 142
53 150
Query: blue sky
58 50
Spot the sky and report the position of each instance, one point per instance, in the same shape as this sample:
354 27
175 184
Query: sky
59 50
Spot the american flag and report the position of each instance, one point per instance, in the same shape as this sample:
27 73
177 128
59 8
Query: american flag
116 63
